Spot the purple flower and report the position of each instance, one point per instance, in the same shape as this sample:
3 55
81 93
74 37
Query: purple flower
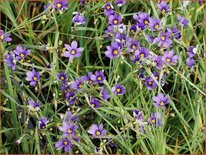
11 60
160 100
138 114
150 83
94 103
43 123
142 53
60 4
84 2
77 84
120 38
133 28
35 105
191 52
115 19
21 52
154 24
73 51
4 37
170 58
64 143
158 62
132 45
70 118
97 131
68 128
175 31
120 3
104 94
163 7
150 38
118 89
108 9
33 77
163 40
62 76
113 50
110 31
142 20
78 19
155 119
70 97
98 77
182 21
112 143
46 6
190 62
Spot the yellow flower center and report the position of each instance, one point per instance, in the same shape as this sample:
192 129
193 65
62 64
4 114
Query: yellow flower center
132 31
118 90
99 78
115 21
133 47
69 131
62 78
158 1
73 52
108 7
59 5
98 133
14 61
43 127
2 37
163 10
168 60
92 105
22 55
150 83
35 78
70 98
146 22
80 86
65 143
162 103
142 55
163 38
153 121
156 26
115 52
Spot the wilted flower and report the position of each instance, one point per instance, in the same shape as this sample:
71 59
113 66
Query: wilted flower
169 57
160 100
64 143
60 4
118 89
120 3
33 77
21 52
155 119
182 21
138 114
113 50
43 123
190 62
175 31
78 19
73 51
97 131
104 94
4 37
11 60
35 105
